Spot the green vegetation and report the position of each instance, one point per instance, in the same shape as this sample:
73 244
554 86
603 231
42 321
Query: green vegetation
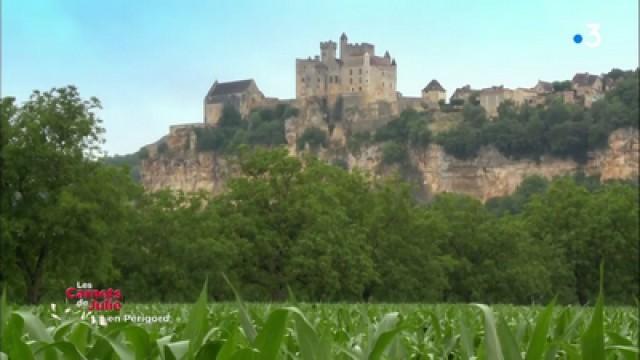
560 129
314 137
130 161
561 85
294 223
410 129
330 331
264 127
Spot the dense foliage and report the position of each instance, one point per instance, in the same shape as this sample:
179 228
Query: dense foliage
326 331
263 127
312 137
130 161
294 223
410 129
559 129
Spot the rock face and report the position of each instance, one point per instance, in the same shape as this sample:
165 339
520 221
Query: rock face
489 175
202 171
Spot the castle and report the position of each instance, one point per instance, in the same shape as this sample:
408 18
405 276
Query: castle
360 80
357 72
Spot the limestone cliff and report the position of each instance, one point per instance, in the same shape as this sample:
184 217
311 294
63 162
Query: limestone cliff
490 174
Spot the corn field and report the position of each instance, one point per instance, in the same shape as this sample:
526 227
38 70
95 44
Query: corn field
322 331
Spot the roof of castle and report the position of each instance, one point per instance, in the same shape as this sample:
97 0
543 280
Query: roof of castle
232 87
434 85
584 79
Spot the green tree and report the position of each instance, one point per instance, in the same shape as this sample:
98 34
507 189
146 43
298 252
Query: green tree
561 85
64 205
172 243
314 137
394 153
405 241
301 221
515 203
462 142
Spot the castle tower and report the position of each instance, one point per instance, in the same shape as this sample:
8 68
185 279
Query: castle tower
366 62
343 45
327 51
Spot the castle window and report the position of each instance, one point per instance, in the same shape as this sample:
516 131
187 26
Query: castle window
330 79
350 71
302 79
352 89
351 81
360 88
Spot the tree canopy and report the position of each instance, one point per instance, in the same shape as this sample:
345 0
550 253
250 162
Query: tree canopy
294 223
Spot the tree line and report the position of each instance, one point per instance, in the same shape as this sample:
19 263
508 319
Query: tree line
563 130
292 224
556 128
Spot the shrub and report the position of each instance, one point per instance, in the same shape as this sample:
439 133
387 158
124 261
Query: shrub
394 153
313 136
357 140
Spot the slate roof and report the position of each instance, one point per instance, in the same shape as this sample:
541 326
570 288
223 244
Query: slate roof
434 85
232 87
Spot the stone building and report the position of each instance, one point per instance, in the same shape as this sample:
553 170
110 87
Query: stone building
588 88
491 98
461 95
543 87
357 71
433 93
243 95
522 96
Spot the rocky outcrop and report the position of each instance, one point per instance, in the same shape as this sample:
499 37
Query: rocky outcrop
620 160
491 174
199 171
488 175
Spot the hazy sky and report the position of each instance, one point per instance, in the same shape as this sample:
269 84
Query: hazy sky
151 62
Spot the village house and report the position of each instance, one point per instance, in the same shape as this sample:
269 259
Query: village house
588 88
543 87
491 98
461 95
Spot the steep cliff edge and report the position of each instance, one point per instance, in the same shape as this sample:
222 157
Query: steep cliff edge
179 166
491 174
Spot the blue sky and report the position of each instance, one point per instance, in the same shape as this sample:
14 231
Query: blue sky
151 62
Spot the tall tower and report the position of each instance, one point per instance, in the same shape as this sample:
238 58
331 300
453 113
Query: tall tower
327 51
343 45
